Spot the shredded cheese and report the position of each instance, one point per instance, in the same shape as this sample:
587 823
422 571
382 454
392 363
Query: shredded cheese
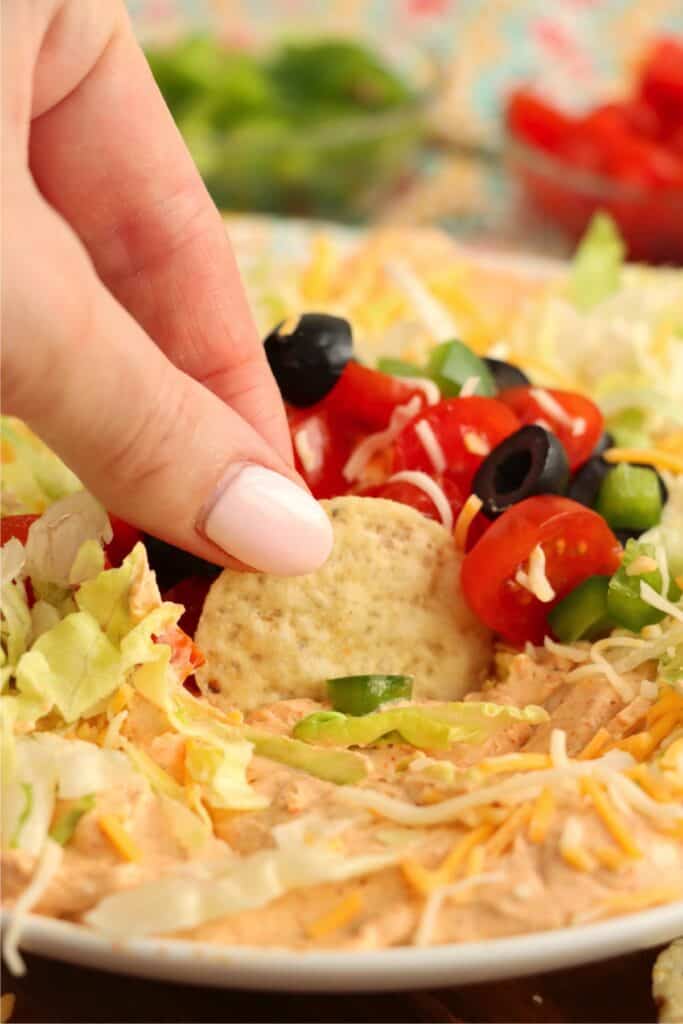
524 762
648 456
651 597
374 443
425 881
435 317
46 869
467 514
653 786
571 848
623 902
475 443
431 489
610 818
596 745
309 453
428 387
337 917
425 930
611 858
124 844
570 652
534 578
469 387
550 405
640 565
541 815
430 443
558 748
506 833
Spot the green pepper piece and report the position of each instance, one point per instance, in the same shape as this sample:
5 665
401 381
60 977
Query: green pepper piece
65 825
359 695
400 368
624 603
629 498
452 363
582 614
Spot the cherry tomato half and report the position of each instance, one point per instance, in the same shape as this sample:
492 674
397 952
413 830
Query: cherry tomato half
124 539
533 120
15 526
466 429
579 436
576 541
322 445
368 397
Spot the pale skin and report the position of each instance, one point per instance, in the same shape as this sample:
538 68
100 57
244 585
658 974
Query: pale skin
128 343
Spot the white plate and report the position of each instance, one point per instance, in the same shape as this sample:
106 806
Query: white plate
393 969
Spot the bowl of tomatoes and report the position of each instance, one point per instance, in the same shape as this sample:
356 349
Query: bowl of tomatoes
624 157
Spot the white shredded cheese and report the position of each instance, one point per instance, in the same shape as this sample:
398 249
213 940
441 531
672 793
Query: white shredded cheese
429 310
435 900
641 564
552 407
558 748
370 446
663 566
308 452
431 489
569 651
430 443
46 869
649 689
572 833
475 443
428 388
469 387
651 597
113 732
513 790
534 578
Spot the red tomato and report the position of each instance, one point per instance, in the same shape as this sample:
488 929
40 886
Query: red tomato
368 397
124 539
15 526
466 429
191 593
578 439
533 120
185 655
322 445
408 494
577 543
661 82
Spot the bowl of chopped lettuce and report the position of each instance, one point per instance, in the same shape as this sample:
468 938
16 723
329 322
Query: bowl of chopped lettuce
312 128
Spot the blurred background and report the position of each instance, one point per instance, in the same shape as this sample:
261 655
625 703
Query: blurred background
507 122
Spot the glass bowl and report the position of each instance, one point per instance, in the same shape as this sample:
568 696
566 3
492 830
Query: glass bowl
650 218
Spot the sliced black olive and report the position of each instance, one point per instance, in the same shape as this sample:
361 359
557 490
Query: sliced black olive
585 483
172 564
530 461
308 362
505 375
605 441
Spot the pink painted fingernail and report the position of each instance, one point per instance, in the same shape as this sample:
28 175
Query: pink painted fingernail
268 522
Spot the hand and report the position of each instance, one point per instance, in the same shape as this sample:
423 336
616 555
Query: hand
128 344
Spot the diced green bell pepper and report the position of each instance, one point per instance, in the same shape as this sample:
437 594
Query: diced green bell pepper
629 498
582 614
399 368
624 603
452 363
359 695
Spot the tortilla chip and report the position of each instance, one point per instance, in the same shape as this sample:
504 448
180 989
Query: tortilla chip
387 601
667 983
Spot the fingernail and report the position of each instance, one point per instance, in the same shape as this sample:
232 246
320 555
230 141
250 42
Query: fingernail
268 522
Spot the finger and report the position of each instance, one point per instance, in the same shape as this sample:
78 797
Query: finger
106 153
155 446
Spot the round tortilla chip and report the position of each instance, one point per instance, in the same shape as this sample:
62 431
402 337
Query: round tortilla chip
387 601
667 983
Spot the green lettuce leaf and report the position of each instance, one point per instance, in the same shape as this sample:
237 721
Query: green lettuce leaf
74 665
34 476
15 622
596 272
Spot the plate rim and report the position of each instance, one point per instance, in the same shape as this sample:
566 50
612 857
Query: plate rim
396 968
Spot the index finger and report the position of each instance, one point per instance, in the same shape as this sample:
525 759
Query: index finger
108 156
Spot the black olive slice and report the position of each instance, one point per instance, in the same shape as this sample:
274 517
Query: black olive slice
505 375
605 441
172 564
585 483
530 461
308 362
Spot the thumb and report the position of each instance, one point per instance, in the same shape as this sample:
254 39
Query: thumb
155 446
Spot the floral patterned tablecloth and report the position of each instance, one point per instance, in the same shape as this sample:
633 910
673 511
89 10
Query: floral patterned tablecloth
578 49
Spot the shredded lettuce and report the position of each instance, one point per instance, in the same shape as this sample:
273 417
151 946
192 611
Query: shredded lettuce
15 623
432 727
55 539
32 475
64 827
597 265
